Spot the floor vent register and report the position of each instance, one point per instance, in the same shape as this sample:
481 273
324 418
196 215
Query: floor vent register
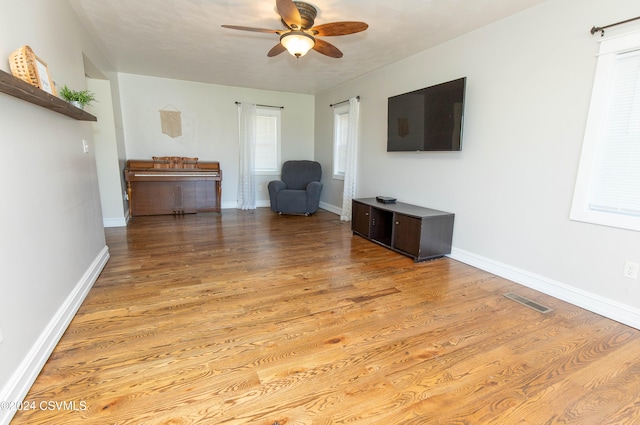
526 301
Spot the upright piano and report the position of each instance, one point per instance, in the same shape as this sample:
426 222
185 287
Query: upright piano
173 185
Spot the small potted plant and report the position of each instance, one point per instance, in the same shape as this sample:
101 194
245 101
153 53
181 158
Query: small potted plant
77 98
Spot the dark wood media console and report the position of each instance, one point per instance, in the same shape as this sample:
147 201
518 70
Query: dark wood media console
418 232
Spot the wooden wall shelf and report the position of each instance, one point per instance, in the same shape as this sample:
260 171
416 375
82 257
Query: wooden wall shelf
25 91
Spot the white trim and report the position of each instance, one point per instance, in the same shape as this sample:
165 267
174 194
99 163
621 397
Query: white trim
276 113
338 112
114 222
596 119
260 203
230 205
595 303
330 208
267 204
23 378
619 43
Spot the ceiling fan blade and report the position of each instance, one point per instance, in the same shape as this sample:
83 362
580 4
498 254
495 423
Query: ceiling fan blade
241 28
339 28
289 13
276 50
327 49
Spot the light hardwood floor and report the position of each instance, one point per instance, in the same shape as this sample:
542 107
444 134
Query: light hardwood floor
254 318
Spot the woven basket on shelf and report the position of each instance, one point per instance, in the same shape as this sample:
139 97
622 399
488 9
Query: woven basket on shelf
23 65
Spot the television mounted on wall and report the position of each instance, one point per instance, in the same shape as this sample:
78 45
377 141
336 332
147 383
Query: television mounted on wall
429 119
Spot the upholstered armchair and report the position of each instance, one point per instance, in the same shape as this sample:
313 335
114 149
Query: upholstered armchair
298 190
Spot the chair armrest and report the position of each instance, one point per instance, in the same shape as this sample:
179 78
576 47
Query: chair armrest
314 189
274 187
277 185
313 196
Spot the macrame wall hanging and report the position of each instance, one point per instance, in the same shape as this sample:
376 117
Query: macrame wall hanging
171 122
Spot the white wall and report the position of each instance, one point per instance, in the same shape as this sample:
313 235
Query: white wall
209 124
529 83
529 80
110 177
52 243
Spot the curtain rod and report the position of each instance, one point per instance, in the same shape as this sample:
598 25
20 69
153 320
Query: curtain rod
601 29
344 101
265 106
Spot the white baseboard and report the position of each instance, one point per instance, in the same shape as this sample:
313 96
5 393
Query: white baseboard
600 305
234 206
331 208
115 222
20 382
229 205
266 203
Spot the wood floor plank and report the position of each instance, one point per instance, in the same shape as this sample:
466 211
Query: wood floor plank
249 317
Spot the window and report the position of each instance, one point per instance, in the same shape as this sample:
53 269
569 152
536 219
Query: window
267 140
608 185
340 131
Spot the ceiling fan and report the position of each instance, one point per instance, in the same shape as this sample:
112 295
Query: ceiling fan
300 35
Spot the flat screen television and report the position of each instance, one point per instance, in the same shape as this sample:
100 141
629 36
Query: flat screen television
429 119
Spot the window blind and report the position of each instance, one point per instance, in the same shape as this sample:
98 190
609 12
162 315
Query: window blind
615 186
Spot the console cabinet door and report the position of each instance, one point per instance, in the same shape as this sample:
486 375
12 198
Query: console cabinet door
407 231
360 221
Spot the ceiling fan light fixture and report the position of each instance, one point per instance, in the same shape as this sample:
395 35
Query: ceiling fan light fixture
297 43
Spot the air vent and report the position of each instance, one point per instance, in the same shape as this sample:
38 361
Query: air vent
526 301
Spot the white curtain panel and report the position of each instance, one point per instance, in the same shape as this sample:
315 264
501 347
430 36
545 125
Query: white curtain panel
351 166
247 137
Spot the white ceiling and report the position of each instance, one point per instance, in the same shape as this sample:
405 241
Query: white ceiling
182 39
